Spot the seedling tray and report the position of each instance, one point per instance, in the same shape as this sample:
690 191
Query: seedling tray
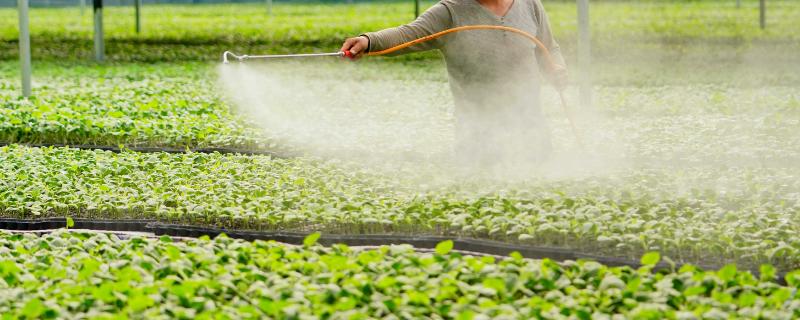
92 224
479 246
488 247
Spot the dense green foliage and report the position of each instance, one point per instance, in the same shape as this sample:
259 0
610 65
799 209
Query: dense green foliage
180 105
142 107
752 220
66 275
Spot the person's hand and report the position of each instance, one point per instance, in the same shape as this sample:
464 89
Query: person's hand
357 46
560 77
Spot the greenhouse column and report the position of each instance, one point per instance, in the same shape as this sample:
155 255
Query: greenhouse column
99 49
584 55
416 8
24 47
138 9
762 13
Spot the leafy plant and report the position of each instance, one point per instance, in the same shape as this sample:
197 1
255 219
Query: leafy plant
259 192
444 247
101 274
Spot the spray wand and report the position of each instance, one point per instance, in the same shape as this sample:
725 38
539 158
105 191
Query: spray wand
347 54
244 57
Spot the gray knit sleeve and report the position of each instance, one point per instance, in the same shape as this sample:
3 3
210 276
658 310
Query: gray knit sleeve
435 19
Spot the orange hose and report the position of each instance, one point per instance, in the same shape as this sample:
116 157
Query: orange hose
546 53
442 33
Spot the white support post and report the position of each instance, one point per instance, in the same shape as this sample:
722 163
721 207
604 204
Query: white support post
762 13
584 55
24 47
138 11
83 6
269 7
99 46
738 3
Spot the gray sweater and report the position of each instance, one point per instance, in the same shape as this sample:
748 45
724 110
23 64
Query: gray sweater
494 75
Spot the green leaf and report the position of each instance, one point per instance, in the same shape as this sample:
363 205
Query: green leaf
334 262
494 283
386 282
116 114
90 266
311 239
9 271
418 298
767 272
651 258
727 273
779 296
33 308
466 315
173 252
793 278
444 247
70 223
693 291
267 306
140 302
391 304
747 299
368 257
687 268
103 292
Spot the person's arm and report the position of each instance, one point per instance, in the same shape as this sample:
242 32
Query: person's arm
558 74
435 19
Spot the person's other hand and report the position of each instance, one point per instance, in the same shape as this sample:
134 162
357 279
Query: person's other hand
560 78
357 46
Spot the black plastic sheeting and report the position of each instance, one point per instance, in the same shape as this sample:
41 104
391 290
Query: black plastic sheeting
249 152
478 246
91 224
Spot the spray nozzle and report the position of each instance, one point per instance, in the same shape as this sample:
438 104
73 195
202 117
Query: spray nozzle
226 53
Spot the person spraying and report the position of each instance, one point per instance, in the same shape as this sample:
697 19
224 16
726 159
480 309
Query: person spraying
495 76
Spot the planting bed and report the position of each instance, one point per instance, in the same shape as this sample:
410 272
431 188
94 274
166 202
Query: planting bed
158 149
166 106
614 217
66 275
478 246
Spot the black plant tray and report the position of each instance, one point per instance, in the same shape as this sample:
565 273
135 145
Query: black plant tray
477 246
113 225
427 242
80 223
32 224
